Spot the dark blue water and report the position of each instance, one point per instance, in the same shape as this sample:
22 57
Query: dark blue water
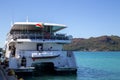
91 66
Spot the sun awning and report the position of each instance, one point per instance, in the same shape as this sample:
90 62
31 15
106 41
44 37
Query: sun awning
32 26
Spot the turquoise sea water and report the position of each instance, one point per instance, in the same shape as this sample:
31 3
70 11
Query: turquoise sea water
91 66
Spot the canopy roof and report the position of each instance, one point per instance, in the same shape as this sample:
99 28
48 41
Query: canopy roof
32 26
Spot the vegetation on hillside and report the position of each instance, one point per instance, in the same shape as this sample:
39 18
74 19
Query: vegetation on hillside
103 43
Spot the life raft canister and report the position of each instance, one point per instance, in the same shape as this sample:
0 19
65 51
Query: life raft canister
23 61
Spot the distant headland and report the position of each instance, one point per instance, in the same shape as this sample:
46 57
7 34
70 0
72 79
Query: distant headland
102 43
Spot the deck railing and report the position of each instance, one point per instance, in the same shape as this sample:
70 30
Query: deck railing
39 36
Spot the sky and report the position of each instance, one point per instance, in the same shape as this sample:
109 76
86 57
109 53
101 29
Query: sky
84 18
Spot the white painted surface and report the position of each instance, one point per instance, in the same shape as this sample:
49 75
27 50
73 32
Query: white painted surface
26 46
54 46
13 63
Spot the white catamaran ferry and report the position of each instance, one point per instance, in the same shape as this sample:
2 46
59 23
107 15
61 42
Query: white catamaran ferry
35 43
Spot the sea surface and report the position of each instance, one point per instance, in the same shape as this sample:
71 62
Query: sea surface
91 66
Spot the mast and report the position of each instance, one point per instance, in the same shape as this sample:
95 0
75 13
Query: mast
27 19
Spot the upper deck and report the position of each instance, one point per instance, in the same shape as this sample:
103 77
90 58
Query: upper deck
37 31
37 26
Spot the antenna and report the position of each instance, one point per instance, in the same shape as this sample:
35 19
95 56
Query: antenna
27 19
11 23
12 18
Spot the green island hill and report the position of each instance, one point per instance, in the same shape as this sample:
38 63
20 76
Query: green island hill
102 43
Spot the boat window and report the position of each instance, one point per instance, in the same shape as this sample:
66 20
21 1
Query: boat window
10 47
56 28
39 47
